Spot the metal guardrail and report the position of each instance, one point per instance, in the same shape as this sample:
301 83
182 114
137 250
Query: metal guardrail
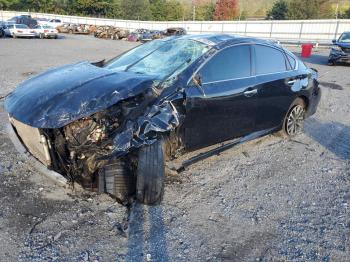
315 31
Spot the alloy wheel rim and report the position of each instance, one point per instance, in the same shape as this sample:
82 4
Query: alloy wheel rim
295 120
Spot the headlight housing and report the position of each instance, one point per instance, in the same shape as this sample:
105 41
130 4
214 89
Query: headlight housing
337 48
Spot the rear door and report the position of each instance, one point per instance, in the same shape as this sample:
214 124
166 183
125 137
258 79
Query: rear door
225 106
276 83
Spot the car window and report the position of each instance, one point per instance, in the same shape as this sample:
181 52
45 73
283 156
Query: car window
22 26
230 63
292 61
10 26
344 38
269 60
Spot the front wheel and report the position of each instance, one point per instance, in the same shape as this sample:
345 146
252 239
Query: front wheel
151 173
331 63
294 120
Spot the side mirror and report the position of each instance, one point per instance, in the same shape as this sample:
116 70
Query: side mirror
197 80
334 41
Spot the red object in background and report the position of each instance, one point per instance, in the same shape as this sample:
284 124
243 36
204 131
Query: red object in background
306 50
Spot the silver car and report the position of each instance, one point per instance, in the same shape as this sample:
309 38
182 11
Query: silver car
19 30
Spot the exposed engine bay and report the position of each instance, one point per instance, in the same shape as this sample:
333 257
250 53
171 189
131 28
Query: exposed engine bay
78 147
82 148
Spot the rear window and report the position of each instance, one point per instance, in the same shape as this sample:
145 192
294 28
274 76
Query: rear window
22 26
269 60
10 26
47 27
230 63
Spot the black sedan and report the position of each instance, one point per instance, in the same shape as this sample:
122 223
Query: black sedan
340 51
113 126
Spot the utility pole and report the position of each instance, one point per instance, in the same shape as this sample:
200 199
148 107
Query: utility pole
194 12
336 10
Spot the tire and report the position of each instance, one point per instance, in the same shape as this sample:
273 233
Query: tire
150 173
294 120
331 63
117 179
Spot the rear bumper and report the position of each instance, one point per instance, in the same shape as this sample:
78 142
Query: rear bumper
25 35
314 101
50 35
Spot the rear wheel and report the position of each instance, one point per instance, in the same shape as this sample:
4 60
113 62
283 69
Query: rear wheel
294 120
151 173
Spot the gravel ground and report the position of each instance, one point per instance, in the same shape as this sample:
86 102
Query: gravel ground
270 199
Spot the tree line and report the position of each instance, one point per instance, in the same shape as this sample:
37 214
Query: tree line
174 10
310 9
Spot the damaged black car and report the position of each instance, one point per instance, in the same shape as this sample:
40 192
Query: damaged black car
340 51
113 126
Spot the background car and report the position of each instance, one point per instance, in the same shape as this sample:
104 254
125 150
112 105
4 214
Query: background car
175 31
45 31
340 51
24 20
112 126
150 35
138 34
19 30
55 23
2 29
42 21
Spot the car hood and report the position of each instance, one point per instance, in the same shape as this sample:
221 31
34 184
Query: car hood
60 96
344 45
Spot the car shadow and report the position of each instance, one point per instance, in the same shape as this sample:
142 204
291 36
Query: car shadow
314 58
334 136
147 239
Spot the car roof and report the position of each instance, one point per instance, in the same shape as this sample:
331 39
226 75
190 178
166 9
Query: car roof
223 40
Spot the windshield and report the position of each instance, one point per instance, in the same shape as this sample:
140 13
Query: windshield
344 38
171 57
132 56
22 26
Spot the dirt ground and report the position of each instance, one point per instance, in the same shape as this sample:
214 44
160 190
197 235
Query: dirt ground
268 200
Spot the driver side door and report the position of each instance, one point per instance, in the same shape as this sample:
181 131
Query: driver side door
224 105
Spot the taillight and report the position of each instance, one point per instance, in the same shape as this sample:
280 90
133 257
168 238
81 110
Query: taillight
46 31
19 31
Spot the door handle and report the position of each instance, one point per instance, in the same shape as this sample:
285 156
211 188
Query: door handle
250 93
291 82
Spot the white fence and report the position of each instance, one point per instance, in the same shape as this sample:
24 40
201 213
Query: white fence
295 30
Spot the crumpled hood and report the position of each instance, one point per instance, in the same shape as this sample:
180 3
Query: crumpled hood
62 95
